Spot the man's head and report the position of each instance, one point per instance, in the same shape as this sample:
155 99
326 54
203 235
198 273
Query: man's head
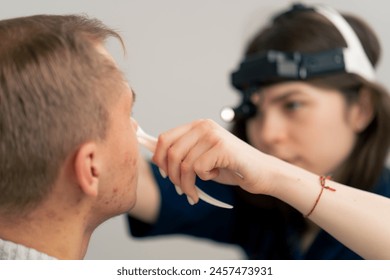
64 113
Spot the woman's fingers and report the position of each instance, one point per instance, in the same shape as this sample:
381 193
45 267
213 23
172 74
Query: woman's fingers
200 148
186 166
173 155
165 141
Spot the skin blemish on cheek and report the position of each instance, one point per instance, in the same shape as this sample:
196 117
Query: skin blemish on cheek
51 214
129 159
131 163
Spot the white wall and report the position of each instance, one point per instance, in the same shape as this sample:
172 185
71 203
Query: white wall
180 55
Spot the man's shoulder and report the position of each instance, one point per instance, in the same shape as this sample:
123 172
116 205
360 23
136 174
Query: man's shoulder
14 251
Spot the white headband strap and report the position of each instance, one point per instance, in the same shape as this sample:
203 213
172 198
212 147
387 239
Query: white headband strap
355 58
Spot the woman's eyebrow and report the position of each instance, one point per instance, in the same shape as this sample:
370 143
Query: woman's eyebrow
284 96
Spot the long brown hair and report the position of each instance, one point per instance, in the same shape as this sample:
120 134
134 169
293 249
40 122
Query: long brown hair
308 31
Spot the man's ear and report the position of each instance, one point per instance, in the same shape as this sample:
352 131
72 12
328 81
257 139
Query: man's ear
86 169
364 112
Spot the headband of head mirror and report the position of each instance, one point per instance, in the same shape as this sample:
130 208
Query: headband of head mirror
276 66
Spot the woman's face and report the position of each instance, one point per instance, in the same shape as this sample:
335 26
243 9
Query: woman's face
310 127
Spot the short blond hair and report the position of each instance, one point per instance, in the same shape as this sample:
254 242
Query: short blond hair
54 90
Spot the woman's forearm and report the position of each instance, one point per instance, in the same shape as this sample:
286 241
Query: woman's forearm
357 218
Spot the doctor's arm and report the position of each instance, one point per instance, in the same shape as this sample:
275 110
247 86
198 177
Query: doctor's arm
358 219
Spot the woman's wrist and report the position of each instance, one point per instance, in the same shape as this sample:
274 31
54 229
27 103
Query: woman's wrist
295 186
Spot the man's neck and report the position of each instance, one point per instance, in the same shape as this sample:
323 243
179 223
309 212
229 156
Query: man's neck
55 233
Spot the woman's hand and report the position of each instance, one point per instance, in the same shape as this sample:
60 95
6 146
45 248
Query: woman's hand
206 149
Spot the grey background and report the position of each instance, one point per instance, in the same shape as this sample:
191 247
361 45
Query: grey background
179 58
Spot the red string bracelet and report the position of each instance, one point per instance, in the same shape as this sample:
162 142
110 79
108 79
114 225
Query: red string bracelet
322 183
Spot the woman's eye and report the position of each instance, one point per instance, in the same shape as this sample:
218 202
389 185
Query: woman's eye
293 105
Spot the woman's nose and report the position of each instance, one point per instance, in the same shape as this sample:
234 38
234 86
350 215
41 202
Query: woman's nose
272 130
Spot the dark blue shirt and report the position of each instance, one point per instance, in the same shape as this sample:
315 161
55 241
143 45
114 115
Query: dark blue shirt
262 234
